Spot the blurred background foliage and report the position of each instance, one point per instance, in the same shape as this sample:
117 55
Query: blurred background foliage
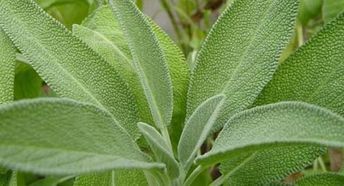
188 22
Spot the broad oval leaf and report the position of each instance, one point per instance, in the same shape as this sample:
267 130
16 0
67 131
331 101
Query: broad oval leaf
197 129
241 54
326 179
274 125
63 137
71 68
160 149
148 59
7 68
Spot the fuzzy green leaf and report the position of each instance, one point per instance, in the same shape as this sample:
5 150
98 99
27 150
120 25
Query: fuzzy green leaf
327 179
274 125
314 74
69 138
70 67
241 54
7 68
160 149
197 129
265 166
118 177
148 59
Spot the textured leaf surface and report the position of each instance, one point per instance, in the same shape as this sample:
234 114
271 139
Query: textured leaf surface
148 59
314 73
160 149
71 68
69 138
7 68
277 124
197 129
273 164
118 177
241 53
327 179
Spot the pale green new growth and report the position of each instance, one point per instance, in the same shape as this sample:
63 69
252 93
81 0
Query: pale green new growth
276 125
241 53
70 67
160 149
7 67
149 64
197 129
98 142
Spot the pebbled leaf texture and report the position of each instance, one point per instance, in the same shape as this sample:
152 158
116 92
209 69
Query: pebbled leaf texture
272 164
197 129
7 68
160 149
326 179
148 59
241 54
69 138
71 68
118 178
276 125
314 73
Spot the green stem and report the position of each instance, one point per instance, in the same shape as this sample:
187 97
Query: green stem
166 136
219 181
300 36
168 7
194 175
322 164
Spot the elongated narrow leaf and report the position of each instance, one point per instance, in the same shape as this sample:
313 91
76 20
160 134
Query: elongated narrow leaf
102 33
159 147
276 125
326 179
241 54
71 68
197 129
118 178
7 68
148 59
69 138
313 75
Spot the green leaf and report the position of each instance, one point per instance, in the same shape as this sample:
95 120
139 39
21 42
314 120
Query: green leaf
314 73
27 82
69 138
326 179
160 149
70 68
118 177
273 164
331 9
279 124
148 60
241 54
309 9
7 68
197 129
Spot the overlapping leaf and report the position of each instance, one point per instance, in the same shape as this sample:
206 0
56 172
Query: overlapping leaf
70 67
7 68
63 137
276 125
241 53
148 59
327 179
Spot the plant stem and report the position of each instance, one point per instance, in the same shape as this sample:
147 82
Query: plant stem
194 175
166 136
300 36
167 6
219 181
